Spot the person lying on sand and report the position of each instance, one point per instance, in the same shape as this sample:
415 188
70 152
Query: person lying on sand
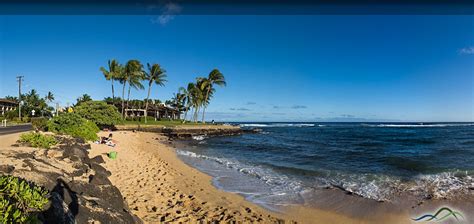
107 141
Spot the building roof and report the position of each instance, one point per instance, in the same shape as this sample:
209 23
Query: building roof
8 101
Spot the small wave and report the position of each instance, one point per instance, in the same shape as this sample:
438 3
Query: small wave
199 137
385 188
416 125
377 187
282 183
279 125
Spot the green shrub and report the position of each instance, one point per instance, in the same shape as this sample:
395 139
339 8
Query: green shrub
99 112
20 200
74 125
38 140
39 123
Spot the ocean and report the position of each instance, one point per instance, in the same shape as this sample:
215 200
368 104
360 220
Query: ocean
285 163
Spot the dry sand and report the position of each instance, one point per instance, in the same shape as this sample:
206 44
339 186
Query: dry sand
159 187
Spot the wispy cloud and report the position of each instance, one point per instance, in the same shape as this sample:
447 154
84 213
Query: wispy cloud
169 11
276 107
347 116
239 109
251 103
466 50
299 107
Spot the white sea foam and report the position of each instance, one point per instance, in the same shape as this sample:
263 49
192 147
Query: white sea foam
377 187
199 137
416 125
280 184
279 125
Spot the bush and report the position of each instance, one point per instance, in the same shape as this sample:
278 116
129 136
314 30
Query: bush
20 200
74 125
38 140
39 123
99 112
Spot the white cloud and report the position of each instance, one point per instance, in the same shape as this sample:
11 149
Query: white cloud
466 50
168 13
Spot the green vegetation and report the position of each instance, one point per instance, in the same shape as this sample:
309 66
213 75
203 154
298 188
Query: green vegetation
156 74
20 200
152 122
73 124
99 112
39 123
83 98
195 97
31 101
38 140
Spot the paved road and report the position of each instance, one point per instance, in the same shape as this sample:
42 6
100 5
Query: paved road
15 129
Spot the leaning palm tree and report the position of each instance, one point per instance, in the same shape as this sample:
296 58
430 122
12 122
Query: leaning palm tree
215 78
156 74
132 74
111 74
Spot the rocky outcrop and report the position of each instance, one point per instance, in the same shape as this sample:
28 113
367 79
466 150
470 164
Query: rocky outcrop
184 131
80 191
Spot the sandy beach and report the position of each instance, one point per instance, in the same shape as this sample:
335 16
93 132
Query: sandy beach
159 187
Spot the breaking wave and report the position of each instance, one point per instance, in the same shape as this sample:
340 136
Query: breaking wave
377 187
417 125
270 125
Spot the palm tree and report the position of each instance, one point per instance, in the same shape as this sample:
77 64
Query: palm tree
156 74
122 78
198 92
134 71
49 97
83 98
186 99
111 74
215 78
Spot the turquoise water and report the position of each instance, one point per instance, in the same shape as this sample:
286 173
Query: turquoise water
286 161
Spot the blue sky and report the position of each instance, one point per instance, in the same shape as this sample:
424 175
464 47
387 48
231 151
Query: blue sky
278 68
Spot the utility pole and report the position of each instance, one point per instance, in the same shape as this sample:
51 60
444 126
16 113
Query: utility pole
19 79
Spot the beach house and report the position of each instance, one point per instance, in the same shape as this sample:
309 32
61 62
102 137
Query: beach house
7 105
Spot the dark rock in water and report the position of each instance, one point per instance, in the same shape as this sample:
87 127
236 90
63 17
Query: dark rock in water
6 168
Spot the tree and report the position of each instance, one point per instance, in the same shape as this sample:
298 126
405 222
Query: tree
111 74
215 78
99 112
83 98
134 75
12 98
186 100
49 97
156 74
122 78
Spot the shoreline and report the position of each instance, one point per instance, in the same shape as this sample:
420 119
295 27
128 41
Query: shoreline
159 187
329 205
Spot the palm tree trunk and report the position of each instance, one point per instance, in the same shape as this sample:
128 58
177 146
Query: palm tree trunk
128 97
113 94
185 114
123 98
204 105
146 102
